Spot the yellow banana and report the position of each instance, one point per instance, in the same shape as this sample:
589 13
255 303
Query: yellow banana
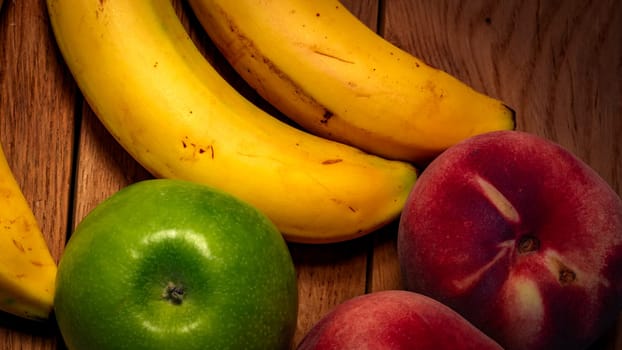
27 269
322 67
170 109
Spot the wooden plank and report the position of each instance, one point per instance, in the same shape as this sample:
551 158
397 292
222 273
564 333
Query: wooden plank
37 133
327 275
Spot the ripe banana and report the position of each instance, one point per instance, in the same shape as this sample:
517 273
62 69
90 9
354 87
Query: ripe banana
27 270
322 67
170 109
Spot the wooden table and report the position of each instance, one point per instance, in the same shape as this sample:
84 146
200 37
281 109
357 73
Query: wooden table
558 63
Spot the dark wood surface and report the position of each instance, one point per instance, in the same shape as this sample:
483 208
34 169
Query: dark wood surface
557 63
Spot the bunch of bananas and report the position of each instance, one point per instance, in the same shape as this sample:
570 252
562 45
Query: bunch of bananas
171 110
368 112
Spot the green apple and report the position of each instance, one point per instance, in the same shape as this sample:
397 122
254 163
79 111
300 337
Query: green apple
169 264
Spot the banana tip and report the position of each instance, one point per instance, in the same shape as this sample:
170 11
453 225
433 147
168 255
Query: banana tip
512 115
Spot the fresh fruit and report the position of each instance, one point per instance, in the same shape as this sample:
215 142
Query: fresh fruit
27 269
326 70
162 100
394 320
171 264
519 236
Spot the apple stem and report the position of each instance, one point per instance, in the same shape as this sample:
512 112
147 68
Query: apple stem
173 293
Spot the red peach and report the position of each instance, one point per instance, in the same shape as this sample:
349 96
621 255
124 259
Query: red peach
520 237
394 320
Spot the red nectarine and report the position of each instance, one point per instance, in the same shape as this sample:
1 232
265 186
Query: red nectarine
394 320
520 237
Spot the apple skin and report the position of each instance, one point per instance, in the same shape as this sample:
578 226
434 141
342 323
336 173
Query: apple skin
394 320
124 267
520 237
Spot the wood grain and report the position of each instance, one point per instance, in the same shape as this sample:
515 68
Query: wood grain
557 63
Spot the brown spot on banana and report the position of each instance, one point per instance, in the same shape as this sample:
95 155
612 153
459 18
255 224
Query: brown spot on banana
36 263
19 246
333 56
192 150
100 8
327 115
341 202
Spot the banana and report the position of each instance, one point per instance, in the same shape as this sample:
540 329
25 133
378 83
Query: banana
328 72
169 108
27 269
